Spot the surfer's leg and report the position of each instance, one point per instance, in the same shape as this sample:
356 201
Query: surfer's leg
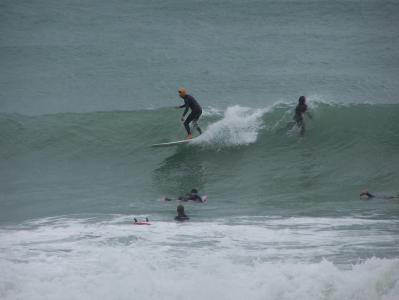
187 123
195 125
195 122
302 128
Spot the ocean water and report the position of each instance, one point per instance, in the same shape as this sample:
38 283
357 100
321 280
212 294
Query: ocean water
88 86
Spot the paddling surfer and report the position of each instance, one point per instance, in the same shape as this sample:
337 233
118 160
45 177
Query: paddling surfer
365 195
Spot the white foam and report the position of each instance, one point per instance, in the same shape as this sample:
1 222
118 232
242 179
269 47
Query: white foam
239 126
257 259
212 111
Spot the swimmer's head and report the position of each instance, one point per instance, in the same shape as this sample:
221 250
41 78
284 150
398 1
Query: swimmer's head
194 191
302 100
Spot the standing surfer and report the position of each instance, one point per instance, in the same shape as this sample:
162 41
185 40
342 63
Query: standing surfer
300 110
196 111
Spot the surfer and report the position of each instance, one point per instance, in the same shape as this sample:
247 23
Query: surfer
181 215
193 196
365 195
300 109
196 111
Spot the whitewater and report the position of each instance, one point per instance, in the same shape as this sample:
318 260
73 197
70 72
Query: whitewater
88 86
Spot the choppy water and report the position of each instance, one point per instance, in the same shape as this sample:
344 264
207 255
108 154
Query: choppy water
87 86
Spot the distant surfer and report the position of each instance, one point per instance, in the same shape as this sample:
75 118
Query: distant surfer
196 111
365 195
192 196
181 215
300 110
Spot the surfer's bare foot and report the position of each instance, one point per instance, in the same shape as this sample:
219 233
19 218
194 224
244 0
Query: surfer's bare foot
189 137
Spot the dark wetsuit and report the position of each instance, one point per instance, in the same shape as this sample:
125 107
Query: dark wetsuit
192 197
299 111
196 111
181 218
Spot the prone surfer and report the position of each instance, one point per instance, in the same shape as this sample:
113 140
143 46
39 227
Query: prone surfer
192 196
181 215
196 111
300 110
365 195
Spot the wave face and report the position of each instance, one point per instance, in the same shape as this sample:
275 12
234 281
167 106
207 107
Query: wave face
251 158
283 220
334 125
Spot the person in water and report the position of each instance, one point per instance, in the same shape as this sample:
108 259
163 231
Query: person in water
300 110
196 111
181 215
365 195
193 196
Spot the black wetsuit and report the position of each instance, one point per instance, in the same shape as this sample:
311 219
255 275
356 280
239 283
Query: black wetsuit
181 218
196 111
299 111
192 197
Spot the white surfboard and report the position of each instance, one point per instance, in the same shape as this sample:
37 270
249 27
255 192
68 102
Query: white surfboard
172 143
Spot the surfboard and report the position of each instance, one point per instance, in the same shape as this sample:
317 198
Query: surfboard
141 223
175 143
146 222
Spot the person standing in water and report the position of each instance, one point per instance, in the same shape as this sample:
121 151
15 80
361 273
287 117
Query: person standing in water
196 111
300 110
181 215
